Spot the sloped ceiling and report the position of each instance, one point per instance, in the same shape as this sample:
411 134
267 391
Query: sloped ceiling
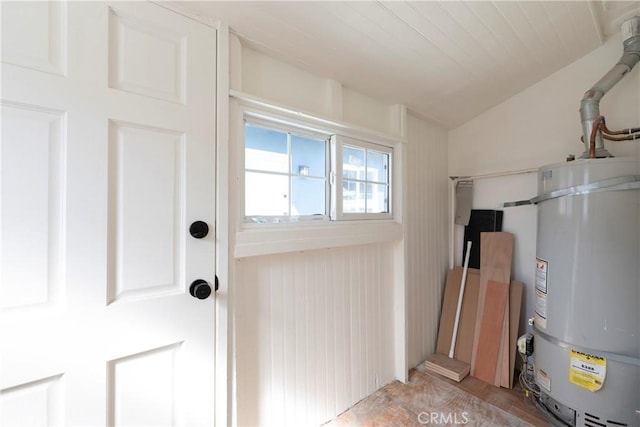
447 61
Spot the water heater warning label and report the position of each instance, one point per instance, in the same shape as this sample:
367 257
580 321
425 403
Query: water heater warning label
542 268
587 371
540 315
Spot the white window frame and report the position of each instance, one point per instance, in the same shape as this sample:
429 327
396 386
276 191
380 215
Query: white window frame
290 129
337 211
268 238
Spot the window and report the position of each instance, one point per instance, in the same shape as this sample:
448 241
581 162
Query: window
364 179
286 174
303 179
292 174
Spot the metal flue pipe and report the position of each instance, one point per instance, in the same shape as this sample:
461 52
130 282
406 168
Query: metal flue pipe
590 105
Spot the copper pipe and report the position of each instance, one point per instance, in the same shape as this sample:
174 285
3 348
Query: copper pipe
592 139
629 131
622 138
629 137
630 134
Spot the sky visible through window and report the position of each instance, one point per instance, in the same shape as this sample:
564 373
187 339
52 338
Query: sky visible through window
285 174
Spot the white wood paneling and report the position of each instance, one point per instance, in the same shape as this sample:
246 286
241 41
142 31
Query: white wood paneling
525 31
314 333
438 26
567 24
448 61
426 233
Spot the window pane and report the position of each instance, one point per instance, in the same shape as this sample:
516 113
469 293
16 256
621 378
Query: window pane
265 149
307 196
353 162
377 198
353 196
266 194
308 156
377 166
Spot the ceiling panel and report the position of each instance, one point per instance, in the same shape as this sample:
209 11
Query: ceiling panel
448 61
533 49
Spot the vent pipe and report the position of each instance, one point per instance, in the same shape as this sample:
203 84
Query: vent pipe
590 105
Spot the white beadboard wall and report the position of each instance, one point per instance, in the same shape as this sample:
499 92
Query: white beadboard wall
314 333
314 330
426 235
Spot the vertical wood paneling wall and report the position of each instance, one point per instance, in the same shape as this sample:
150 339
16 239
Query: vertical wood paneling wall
426 233
314 333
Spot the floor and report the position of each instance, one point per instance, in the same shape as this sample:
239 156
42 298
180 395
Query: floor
431 399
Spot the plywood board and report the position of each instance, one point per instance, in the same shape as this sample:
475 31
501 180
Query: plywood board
502 367
515 303
450 368
495 265
466 327
508 342
464 341
490 333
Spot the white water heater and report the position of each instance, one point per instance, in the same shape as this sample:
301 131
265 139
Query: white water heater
587 309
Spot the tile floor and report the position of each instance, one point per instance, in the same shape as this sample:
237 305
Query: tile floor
430 399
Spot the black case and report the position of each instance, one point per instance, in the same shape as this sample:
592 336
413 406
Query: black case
481 220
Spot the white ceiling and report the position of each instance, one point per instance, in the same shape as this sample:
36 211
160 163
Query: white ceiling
445 60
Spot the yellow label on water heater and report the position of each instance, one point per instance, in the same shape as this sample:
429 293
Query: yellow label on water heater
587 371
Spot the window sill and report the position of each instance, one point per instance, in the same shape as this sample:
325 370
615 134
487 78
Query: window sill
286 238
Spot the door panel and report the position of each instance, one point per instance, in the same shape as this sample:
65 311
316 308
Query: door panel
146 58
38 403
107 157
32 189
146 181
37 35
153 374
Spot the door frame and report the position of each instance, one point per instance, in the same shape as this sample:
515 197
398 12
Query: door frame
224 349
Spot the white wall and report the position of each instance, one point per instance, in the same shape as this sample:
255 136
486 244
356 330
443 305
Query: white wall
538 126
281 83
317 331
426 235
314 331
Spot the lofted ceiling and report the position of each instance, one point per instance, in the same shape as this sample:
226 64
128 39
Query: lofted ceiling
445 60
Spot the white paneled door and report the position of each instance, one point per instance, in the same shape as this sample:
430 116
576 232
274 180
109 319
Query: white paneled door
107 159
